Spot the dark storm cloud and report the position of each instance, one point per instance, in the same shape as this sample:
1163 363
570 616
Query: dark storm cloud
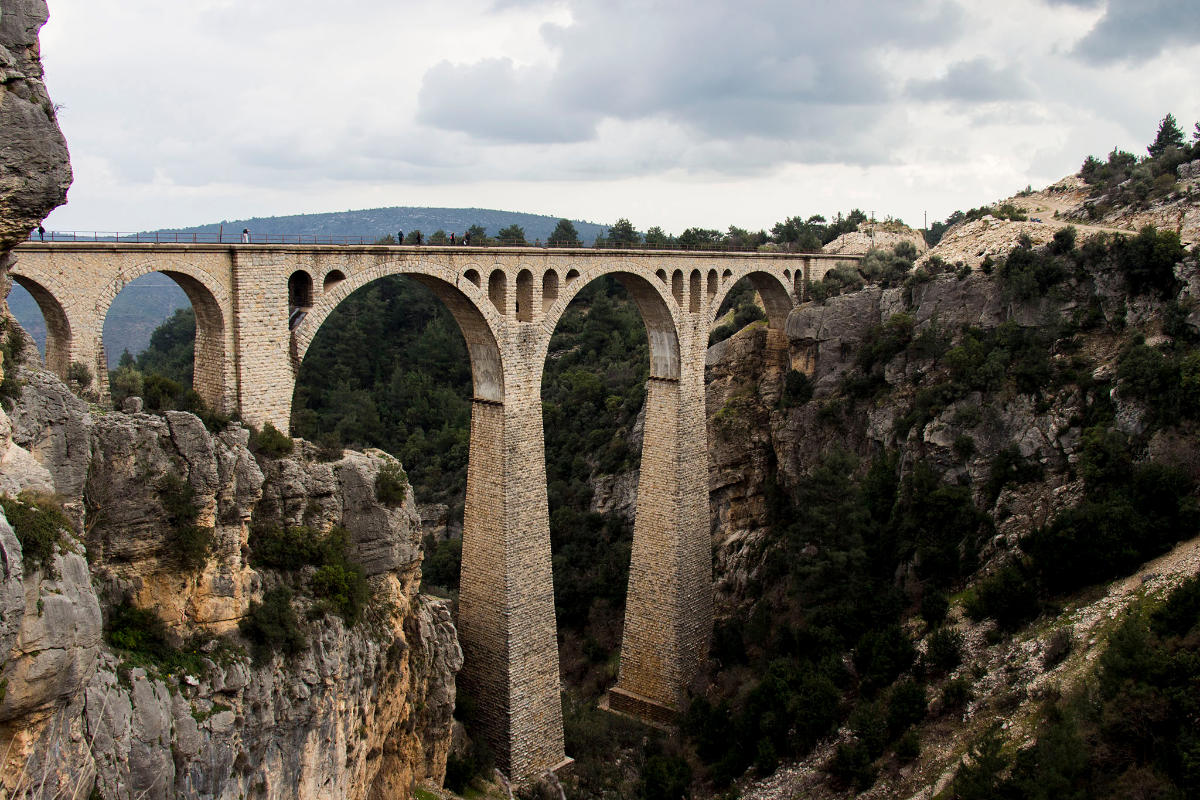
1138 30
774 71
974 81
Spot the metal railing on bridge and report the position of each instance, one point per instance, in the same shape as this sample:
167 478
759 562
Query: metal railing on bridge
193 237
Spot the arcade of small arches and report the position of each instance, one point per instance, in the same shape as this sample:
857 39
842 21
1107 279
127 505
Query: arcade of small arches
258 308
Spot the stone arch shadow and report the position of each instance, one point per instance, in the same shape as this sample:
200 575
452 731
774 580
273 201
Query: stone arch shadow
58 325
775 292
211 369
657 308
477 320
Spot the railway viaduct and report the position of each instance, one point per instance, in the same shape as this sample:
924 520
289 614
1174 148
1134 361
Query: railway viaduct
258 308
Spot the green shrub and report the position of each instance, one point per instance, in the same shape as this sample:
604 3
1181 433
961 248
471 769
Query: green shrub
337 580
272 626
270 442
943 651
907 705
443 563
934 607
1008 596
797 389
188 540
329 447
1148 260
1008 466
665 777
964 446
12 346
391 484
853 765
79 373
344 586
881 655
38 523
145 640
908 747
957 694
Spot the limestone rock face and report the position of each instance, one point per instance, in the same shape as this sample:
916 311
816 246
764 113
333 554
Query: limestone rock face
361 712
752 438
35 170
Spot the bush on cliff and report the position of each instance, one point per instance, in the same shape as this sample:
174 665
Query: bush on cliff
270 442
189 541
272 626
391 484
38 521
336 579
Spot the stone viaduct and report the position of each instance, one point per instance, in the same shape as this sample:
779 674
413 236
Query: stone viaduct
258 308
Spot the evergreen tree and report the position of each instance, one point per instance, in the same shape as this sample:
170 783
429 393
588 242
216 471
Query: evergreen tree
513 234
622 234
1169 135
564 234
656 237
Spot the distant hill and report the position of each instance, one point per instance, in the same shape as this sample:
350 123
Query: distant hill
373 223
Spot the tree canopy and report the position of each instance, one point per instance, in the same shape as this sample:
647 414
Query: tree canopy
564 234
1169 135
513 234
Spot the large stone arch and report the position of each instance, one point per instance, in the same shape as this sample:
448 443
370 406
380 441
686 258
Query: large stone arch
209 298
774 290
58 326
476 317
659 311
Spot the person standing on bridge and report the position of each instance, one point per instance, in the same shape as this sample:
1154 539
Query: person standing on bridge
467 238
452 239
245 236
41 233
399 237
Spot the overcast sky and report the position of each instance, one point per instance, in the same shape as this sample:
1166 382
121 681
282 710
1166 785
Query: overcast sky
705 112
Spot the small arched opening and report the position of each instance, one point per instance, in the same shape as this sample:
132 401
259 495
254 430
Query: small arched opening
571 276
713 284
300 297
662 276
498 290
525 296
333 278
549 289
473 276
677 286
694 291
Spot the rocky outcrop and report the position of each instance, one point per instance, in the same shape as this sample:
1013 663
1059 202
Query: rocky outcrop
884 236
360 712
35 170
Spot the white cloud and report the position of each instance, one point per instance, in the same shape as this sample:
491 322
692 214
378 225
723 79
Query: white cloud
704 114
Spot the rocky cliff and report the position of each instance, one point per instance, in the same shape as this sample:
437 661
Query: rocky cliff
901 371
358 711
34 169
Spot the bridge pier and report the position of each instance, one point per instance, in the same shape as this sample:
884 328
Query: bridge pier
669 606
506 619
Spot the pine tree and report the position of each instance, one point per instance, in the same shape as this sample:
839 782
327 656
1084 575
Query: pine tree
564 234
1169 135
